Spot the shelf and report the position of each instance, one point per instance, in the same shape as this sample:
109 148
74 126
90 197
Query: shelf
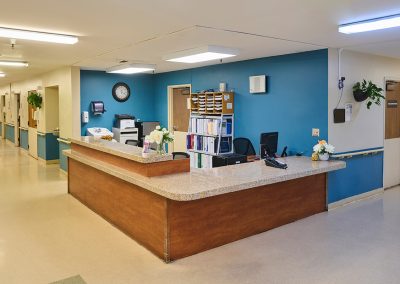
210 135
202 152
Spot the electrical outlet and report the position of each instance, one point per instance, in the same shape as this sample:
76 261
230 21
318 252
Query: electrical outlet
315 132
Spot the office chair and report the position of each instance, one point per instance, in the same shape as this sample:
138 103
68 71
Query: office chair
243 146
179 155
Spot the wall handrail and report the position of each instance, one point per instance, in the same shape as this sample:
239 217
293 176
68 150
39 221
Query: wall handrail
23 128
65 141
9 124
357 153
41 133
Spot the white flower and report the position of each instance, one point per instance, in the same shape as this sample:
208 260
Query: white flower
317 148
170 136
329 148
164 130
158 127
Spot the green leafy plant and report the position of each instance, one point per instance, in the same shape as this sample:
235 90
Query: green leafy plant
35 100
368 90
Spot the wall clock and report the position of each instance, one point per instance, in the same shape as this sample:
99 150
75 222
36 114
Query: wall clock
121 92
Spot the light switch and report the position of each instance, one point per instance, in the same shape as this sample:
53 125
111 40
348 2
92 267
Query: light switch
315 132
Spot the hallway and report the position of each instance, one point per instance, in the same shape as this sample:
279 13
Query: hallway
46 235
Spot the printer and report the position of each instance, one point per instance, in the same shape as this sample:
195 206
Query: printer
124 129
124 121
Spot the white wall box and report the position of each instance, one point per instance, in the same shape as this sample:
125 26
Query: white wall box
258 84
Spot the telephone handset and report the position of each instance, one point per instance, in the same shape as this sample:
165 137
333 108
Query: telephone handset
271 162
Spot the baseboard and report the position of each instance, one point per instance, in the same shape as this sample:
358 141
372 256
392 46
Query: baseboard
355 198
392 186
24 150
48 162
63 172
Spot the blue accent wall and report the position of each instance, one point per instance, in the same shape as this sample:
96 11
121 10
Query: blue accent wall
10 135
296 101
41 147
47 146
23 137
63 158
97 86
362 174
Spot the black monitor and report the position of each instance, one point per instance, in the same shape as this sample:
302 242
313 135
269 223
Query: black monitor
268 144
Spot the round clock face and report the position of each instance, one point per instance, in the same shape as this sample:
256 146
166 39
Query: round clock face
121 92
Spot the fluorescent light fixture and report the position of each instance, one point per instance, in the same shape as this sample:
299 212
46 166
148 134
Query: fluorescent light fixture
131 68
14 63
371 25
37 36
201 54
2 75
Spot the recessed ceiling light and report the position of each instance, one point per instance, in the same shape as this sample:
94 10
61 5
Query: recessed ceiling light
201 54
14 63
37 36
131 68
2 75
371 25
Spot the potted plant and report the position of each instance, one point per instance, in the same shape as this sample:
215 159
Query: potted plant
323 150
35 100
368 90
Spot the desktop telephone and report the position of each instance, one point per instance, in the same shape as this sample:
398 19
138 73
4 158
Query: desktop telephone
271 162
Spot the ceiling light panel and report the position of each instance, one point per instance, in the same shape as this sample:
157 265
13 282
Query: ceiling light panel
371 25
14 63
37 36
202 54
132 68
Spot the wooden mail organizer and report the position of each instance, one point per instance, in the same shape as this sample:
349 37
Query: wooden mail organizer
179 214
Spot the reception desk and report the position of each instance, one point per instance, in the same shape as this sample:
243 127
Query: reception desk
176 212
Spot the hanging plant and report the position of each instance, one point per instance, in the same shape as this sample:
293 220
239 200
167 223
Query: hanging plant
35 100
368 91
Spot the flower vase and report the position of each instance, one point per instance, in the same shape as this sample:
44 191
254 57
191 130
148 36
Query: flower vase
161 149
324 157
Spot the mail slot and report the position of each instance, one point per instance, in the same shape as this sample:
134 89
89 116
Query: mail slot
392 104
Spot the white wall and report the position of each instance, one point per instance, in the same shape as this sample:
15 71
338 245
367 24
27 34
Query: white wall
67 79
366 130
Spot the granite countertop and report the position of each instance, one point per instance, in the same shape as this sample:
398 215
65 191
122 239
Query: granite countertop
130 152
202 183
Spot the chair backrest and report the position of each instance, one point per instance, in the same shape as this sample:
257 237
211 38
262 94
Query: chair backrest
180 155
243 146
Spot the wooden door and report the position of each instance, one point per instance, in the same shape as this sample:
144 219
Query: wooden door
180 117
392 135
32 132
392 110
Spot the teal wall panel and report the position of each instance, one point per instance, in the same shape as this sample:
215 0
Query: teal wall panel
10 133
41 147
48 147
52 151
63 158
23 136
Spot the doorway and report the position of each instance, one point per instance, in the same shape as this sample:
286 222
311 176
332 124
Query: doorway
178 115
32 130
392 134
17 118
3 116
52 127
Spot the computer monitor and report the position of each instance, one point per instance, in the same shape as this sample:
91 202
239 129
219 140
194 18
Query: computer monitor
268 144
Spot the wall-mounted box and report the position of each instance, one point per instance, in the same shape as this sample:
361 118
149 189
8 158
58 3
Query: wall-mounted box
97 107
258 84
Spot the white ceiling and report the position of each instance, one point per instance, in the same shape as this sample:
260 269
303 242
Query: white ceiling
145 31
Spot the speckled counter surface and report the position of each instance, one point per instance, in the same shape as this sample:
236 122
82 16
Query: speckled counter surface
121 150
202 183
